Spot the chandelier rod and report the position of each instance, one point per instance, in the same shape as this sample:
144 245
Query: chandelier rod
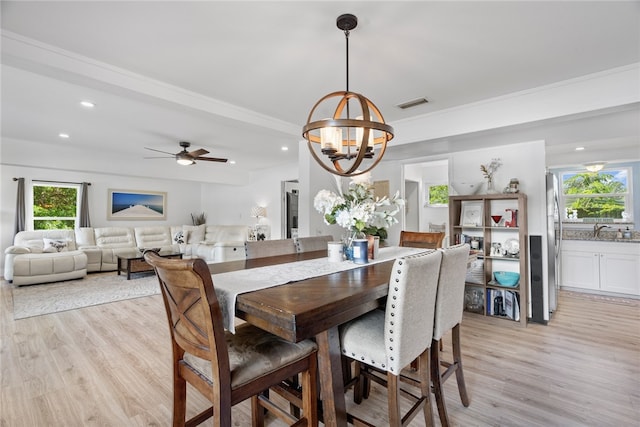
346 38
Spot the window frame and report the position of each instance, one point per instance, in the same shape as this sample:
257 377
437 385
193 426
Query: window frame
628 196
31 219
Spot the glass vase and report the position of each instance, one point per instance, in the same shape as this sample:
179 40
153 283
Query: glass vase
490 188
347 242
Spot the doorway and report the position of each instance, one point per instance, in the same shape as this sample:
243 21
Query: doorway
412 195
419 177
289 209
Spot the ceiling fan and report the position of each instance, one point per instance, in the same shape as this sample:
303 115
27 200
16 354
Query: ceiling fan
185 157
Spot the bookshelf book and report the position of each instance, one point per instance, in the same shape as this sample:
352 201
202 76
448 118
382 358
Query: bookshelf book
495 226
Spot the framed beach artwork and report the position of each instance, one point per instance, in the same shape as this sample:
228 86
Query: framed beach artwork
137 205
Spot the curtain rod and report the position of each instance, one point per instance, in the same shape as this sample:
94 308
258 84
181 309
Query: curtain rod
59 182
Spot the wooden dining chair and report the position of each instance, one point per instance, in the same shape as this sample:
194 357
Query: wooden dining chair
382 343
227 368
313 243
418 239
448 316
265 248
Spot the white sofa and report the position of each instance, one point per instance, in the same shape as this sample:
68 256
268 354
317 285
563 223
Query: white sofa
222 243
43 256
97 249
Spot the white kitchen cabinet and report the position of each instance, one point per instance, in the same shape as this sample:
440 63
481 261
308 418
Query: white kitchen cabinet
600 265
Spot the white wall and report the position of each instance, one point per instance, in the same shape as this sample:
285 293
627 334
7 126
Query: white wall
229 204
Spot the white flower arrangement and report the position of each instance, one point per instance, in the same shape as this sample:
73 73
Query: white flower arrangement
358 210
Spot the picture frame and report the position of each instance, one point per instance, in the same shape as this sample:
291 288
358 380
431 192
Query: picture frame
125 205
471 214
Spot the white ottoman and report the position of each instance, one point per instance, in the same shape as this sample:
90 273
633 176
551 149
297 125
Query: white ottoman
30 269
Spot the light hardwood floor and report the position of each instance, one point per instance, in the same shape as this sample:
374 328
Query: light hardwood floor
108 365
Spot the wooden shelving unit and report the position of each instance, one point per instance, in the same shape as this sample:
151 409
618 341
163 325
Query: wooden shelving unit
470 220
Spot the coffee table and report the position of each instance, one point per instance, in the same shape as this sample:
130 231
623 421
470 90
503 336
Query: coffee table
135 263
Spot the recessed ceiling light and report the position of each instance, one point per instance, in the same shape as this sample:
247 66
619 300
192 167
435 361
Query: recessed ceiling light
285 148
579 148
87 104
63 135
232 162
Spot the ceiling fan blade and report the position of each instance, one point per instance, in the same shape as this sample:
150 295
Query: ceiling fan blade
198 153
212 159
159 151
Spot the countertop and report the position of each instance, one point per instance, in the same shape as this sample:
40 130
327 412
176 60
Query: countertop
605 235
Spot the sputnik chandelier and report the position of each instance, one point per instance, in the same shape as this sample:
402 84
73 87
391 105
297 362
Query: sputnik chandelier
355 132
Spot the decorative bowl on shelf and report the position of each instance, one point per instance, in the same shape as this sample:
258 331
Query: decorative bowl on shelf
466 188
507 278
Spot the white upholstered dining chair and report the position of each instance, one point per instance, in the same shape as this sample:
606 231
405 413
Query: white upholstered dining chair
265 248
448 316
383 342
313 243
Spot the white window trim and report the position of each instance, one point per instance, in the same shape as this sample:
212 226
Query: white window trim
29 202
628 197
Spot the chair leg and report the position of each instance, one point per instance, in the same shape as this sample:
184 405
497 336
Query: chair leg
257 412
457 360
358 386
425 387
309 393
393 393
436 377
179 401
295 411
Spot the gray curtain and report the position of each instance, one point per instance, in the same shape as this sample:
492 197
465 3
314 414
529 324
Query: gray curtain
85 221
20 207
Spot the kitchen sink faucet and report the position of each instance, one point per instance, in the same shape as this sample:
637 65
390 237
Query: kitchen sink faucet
597 228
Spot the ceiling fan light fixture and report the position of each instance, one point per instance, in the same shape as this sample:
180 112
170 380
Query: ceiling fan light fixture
184 160
340 143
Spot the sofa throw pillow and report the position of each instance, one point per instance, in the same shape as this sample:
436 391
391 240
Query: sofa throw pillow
180 237
193 233
54 245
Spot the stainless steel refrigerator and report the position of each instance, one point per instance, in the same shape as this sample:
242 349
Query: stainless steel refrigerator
554 241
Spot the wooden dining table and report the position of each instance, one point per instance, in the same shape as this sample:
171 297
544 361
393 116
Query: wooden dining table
314 308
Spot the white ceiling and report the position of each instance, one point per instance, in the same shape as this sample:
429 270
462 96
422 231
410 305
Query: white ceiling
239 78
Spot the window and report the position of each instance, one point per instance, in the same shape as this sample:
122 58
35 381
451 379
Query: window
55 206
603 195
437 195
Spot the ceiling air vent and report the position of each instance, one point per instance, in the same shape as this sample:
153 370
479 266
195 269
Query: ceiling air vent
413 103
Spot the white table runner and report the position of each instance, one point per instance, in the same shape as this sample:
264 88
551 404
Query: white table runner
229 285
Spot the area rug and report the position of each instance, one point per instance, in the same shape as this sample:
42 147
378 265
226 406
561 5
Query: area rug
93 289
